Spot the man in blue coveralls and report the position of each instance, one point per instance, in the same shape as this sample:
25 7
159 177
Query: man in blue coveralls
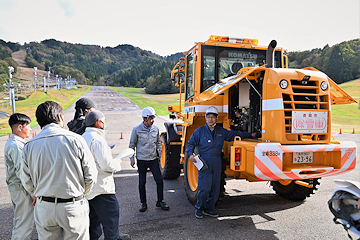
210 140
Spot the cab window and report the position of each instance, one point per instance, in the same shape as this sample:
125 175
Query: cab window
209 67
222 62
189 77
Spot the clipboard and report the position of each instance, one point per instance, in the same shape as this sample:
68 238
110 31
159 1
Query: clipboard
200 163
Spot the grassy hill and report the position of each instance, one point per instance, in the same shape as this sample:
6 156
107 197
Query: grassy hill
347 116
30 102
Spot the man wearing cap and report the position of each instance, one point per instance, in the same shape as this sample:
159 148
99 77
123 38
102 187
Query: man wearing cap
145 139
104 207
83 107
209 139
59 169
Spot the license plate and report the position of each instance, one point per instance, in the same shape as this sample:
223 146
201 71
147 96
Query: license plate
302 157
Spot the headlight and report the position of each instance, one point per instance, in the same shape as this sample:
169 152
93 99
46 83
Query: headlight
283 84
323 86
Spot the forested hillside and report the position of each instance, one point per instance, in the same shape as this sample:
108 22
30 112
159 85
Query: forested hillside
6 48
123 65
126 65
340 62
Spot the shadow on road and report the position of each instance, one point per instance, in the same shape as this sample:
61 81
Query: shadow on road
240 216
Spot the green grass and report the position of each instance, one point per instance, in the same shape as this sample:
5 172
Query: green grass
158 102
347 116
28 106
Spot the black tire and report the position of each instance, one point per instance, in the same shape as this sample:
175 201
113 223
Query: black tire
169 166
294 191
191 188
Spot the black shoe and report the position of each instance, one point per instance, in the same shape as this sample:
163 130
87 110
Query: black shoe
143 208
163 205
210 213
123 236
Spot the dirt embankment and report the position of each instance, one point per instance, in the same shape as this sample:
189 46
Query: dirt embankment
23 71
19 57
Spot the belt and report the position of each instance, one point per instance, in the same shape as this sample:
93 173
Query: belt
61 200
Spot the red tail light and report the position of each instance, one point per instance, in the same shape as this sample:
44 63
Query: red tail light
237 158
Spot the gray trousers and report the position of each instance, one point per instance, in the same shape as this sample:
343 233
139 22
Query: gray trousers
23 221
56 220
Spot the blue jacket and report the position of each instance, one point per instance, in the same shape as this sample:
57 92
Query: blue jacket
210 145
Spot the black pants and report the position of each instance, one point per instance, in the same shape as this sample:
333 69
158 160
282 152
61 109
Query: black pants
155 169
104 210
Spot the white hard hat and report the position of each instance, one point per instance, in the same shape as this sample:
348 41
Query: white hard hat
148 112
343 204
212 110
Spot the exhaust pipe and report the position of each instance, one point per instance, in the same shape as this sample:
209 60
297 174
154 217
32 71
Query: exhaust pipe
270 54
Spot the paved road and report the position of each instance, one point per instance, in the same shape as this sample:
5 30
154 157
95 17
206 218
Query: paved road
249 211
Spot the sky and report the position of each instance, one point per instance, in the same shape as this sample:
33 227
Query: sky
166 27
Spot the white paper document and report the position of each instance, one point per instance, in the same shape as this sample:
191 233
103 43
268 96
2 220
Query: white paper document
200 164
126 153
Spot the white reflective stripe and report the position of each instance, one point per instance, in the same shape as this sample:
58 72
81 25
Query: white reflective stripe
313 148
351 156
278 173
344 145
225 108
202 108
273 104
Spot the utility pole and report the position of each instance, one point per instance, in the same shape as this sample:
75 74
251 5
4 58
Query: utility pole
35 68
11 90
44 79
60 83
49 78
57 82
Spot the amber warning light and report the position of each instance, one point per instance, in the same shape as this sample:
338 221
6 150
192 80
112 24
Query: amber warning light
215 38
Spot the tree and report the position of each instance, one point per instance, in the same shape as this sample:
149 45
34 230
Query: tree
161 84
336 65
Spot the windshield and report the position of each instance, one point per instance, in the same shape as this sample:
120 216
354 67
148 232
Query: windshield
221 62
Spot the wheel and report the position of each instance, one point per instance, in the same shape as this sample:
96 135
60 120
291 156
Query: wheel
290 190
222 180
170 157
190 180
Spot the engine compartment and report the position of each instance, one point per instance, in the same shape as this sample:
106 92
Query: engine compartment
245 106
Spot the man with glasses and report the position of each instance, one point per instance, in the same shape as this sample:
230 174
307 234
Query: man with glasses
145 139
104 206
209 139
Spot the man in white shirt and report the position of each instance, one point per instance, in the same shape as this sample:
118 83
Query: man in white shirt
104 207
59 169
